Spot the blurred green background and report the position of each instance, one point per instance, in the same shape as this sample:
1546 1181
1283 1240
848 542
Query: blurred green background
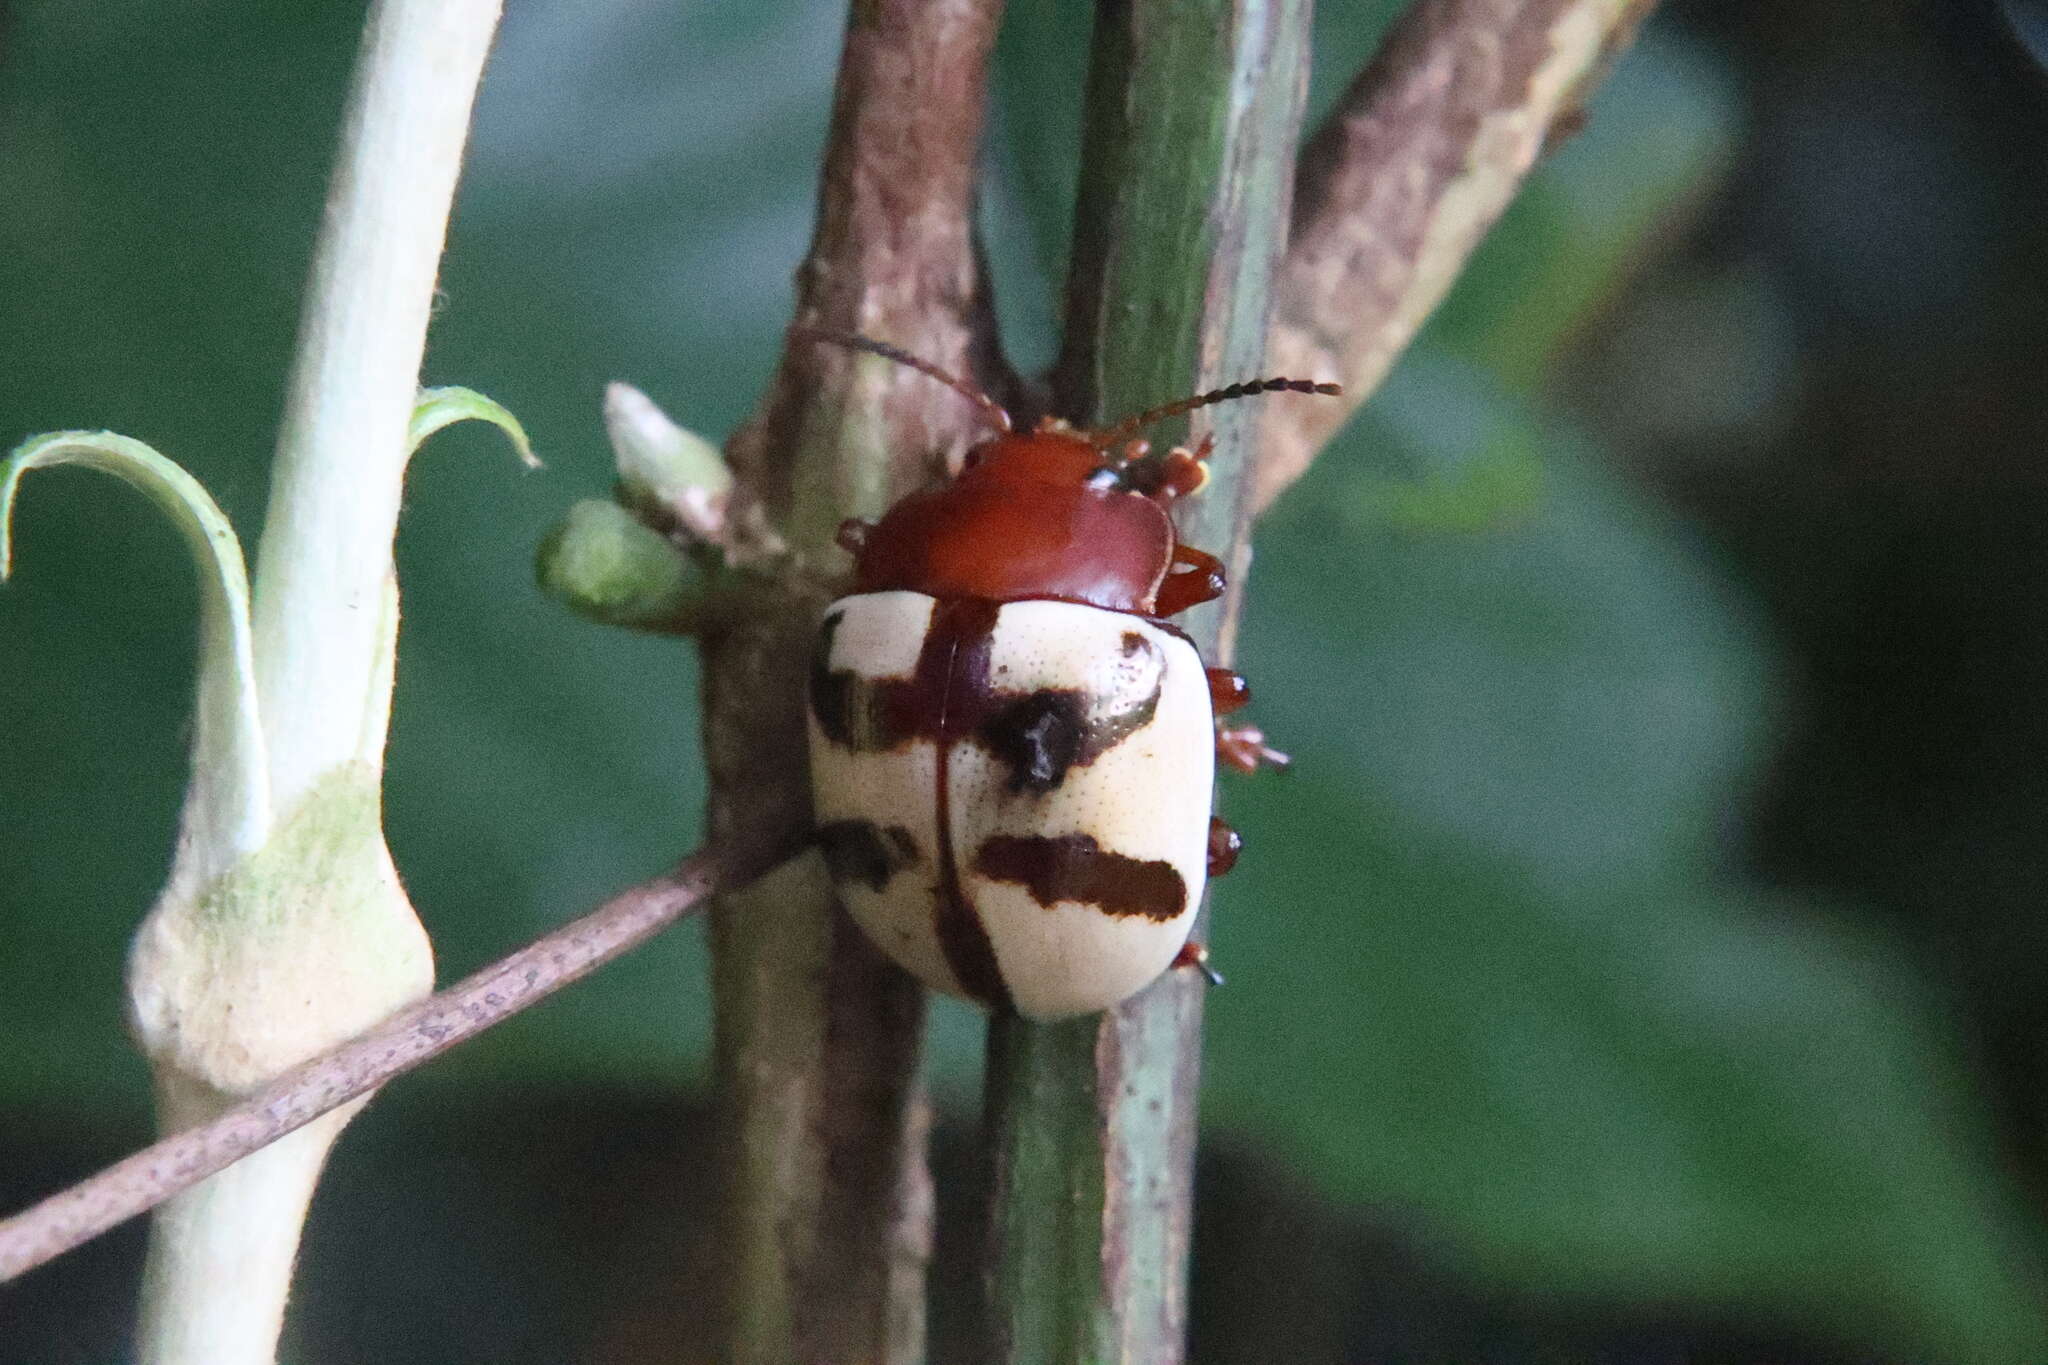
1644 961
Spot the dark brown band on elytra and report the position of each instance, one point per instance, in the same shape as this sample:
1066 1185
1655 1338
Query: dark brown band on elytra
955 662
1039 735
1074 867
874 715
831 690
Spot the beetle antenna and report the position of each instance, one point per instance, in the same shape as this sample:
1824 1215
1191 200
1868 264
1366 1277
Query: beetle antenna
1131 426
853 341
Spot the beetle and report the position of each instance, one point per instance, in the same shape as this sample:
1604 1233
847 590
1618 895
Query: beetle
1012 749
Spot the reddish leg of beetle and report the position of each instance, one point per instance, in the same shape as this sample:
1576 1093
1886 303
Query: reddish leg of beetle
1224 845
1193 954
1244 748
1200 581
1228 691
1184 472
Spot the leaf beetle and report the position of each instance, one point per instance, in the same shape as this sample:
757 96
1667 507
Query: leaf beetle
1012 749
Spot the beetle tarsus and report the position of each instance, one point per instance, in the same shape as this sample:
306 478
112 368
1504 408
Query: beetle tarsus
1196 955
1244 748
1228 690
1225 844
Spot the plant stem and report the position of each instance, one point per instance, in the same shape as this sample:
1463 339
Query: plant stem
820 1251
323 567
1406 177
407 1040
325 621
220 1256
1192 110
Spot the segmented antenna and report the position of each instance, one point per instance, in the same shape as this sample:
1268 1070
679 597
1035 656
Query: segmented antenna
853 341
1131 426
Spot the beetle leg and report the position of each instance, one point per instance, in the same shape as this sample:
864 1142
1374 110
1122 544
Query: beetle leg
1228 691
1184 472
1193 954
1224 845
1201 580
1244 748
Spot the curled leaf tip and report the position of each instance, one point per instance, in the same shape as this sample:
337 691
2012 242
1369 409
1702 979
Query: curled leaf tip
30 454
227 804
437 408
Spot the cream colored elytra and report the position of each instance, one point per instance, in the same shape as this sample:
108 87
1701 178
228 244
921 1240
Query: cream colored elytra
1116 713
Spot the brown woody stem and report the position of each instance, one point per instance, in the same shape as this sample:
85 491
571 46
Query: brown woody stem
820 1251
1404 179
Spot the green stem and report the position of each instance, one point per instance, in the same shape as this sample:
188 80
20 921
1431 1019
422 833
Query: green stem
323 566
219 1265
316 925
1192 111
342 1076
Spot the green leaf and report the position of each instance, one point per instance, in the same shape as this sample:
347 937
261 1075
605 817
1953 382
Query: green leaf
442 407
1485 969
1655 1093
227 803
2029 22
1544 668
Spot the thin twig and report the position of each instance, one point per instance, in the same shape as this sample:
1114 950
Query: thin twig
354 1069
1405 178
